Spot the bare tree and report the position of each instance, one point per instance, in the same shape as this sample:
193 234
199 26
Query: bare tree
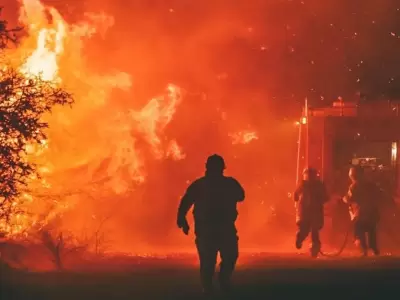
100 236
61 245
7 34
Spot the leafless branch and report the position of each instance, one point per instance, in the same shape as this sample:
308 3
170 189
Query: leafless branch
7 34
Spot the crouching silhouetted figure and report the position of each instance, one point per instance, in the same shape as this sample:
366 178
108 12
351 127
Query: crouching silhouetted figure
310 197
214 198
363 199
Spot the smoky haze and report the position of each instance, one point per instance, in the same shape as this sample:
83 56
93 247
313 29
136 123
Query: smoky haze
246 65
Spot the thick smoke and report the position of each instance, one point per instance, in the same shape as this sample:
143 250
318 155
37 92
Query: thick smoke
243 66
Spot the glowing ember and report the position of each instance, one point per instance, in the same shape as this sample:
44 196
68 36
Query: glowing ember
175 151
243 137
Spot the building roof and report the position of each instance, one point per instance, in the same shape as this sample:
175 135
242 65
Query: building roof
381 108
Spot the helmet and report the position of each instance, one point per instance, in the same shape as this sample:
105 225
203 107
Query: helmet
215 162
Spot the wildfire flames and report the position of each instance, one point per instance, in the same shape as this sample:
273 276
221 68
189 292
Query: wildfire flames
50 47
243 137
96 149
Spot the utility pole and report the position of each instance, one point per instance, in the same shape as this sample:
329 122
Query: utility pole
303 122
307 130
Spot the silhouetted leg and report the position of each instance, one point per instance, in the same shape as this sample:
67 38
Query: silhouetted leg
316 243
229 252
372 240
360 234
302 233
207 250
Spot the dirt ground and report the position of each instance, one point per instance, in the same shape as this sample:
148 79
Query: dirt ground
258 277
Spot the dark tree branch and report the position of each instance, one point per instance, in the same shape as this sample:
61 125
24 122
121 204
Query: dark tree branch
7 35
23 102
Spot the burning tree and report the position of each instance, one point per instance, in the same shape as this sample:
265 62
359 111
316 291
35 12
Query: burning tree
87 173
24 99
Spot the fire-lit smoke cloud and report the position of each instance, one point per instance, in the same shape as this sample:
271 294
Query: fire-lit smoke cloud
243 137
160 86
102 154
95 140
124 154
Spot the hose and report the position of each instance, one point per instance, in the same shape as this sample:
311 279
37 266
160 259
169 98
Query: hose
388 229
344 244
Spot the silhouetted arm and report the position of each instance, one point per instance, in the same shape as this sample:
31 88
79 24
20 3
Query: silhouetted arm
186 203
377 195
297 193
325 195
351 195
238 191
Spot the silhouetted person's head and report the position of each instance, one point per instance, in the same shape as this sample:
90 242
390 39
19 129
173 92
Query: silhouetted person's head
215 165
310 174
356 173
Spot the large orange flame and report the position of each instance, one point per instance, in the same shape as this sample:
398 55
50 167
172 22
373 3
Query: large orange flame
98 152
94 141
49 43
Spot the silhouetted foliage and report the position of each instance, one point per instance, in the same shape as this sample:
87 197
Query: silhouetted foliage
23 102
7 34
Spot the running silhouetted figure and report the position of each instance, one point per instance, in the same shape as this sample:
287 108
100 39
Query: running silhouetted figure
363 199
214 198
310 197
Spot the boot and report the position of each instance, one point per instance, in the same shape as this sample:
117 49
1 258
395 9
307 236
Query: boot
224 284
315 249
376 252
314 252
299 244
208 287
208 292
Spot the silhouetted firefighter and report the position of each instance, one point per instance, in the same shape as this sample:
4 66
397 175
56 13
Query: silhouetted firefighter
310 197
215 198
363 198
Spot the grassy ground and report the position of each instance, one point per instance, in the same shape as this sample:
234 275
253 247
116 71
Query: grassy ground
261 277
